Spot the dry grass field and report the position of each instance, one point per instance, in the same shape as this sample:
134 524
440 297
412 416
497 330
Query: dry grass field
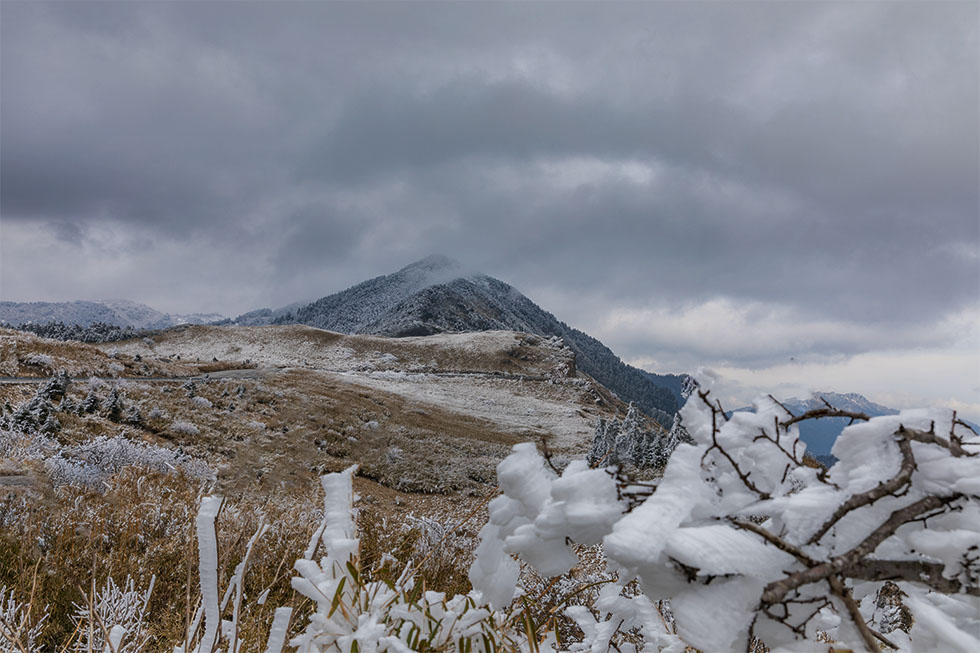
257 415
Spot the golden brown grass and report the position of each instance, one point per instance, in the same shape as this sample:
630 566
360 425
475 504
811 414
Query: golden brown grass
143 526
78 359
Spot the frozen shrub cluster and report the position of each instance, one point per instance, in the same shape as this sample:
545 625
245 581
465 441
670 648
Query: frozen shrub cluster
354 615
118 610
39 360
92 463
186 428
201 402
19 445
20 626
747 543
350 614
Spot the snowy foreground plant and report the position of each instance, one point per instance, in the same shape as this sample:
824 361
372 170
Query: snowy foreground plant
742 545
750 544
352 615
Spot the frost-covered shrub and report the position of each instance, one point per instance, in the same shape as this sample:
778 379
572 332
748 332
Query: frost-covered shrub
21 624
21 446
201 402
748 543
156 413
39 360
350 613
185 428
117 609
92 463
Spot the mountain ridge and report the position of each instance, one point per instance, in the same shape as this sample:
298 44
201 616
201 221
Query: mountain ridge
116 312
819 435
440 295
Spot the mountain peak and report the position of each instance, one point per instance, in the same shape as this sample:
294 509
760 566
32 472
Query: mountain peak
438 294
434 263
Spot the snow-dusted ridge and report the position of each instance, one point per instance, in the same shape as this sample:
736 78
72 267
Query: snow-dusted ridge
521 383
440 295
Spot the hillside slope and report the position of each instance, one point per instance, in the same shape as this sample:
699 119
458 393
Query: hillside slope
437 295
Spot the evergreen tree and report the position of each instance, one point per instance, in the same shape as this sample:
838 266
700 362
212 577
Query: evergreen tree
603 443
191 388
91 403
134 416
51 425
628 444
55 387
114 405
67 405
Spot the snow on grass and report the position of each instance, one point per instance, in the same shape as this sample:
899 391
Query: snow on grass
424 369
510 406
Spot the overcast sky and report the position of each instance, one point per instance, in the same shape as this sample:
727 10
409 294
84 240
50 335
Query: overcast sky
786 193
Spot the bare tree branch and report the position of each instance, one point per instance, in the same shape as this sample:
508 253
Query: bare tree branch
885 488
837 587
929 437
818 413
913 571
775 591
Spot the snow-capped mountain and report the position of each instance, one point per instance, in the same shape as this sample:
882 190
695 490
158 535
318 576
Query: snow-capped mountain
438 294
117 312
819 435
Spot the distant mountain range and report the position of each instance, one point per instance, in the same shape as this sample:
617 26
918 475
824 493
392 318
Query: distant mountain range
819 435
117 312
438 294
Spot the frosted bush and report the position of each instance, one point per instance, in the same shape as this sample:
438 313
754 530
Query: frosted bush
201 402
20 446
120 609
39 360
92 463
350 614
65 471
749 543
354 615
156 413
20 626
185 428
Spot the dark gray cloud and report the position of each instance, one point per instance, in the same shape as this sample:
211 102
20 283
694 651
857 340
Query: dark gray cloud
812 161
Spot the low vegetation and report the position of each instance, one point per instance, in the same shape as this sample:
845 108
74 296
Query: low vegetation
720 535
